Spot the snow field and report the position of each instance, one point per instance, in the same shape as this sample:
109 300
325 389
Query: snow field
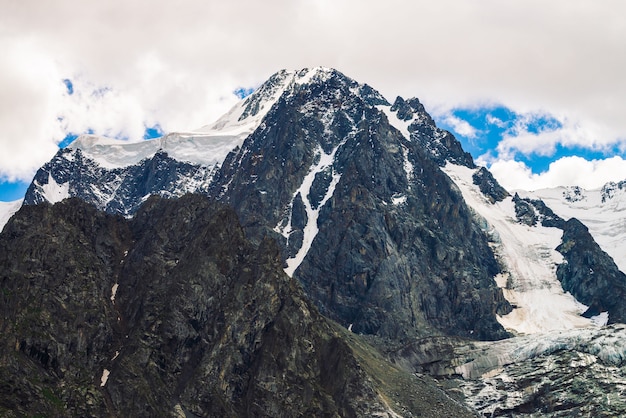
529 258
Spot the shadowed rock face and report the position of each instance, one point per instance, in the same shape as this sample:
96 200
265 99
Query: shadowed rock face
590 274
489 186
170 313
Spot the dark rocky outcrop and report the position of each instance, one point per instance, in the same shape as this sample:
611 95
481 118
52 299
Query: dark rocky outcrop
533 211
590 274
489 186
175 313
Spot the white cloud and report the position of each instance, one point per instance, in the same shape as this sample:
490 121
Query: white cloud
492 120
176 63
461 127
566 171
544 140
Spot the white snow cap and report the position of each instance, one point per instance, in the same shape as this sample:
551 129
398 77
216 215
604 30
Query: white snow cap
210 144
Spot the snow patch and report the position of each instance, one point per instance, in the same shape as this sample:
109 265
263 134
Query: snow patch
105 377
530 259
113 292
408 165
7 209
398 200
401 125
311 228
600 320
54 192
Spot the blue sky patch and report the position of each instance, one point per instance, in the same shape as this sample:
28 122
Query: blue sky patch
243 92
69 138
492 124
152 132
10 191
69 86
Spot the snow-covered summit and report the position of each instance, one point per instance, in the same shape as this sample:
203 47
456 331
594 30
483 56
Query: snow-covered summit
210 144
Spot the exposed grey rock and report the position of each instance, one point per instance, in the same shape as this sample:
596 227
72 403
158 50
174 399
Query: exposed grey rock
590 274
533 211
175 312
489 186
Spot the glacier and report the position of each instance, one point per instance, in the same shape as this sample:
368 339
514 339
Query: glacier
7 209
602 210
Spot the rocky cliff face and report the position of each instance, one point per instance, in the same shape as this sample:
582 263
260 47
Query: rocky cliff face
173 313
349 186
377 234
590 274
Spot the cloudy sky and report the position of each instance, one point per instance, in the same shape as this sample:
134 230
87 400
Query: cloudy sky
535 89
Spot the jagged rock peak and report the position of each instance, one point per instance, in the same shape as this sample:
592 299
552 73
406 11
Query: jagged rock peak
489 186
292 81
406 109
441 146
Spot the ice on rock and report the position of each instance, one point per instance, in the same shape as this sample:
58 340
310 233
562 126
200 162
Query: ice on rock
603 211
311 228
530 260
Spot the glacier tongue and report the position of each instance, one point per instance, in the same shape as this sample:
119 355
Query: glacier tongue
577 372
530 259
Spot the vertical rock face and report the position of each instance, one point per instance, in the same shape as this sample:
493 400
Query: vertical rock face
590 274
171 313
393 249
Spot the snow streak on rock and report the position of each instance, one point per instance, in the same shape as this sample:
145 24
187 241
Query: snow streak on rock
54 192
311 229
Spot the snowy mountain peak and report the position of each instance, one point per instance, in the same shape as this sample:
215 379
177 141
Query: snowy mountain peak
611 190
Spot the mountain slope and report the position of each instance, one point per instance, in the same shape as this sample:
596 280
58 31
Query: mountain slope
173 312
379 237
383 220
7 209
